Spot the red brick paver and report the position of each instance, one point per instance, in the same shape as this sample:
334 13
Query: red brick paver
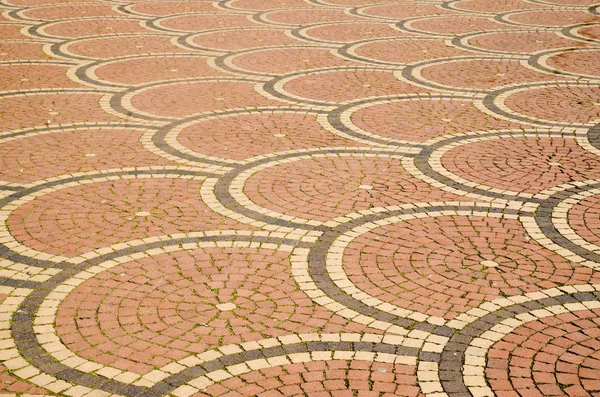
299 198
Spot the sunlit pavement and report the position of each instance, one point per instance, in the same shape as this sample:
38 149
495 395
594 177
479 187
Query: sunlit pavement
300 198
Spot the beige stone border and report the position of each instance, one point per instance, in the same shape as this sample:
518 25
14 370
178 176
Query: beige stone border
84 58
160 19
20 271
155 376
411 168
323 120
351 49
409 22
536 233
561 221
207 193
264 18
201 383
585 143
577 36
190 39
304 30
21 13
33 131
417 71
360 11
104 102
151 16
414 338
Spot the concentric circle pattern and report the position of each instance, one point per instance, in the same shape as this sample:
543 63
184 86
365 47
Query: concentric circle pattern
323 188
553 356
522 164
299 198
183 312
444 266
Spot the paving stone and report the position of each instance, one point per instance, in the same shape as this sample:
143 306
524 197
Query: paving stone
294 197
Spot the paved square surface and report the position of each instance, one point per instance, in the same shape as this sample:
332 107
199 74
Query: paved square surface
300 198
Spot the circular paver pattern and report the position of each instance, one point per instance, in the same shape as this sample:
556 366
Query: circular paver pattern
110 47
405 50
171 7
186 98
323 188
552 18
444 266
351 31
591 32
155 310
522 164
481 74
519 42
306 17
52 108
93 27
299 197
64 152
255 134
575 61
455 25
571 104
233 40
145 69
402 11
346 85
65 11
583 217
190 23
552 356
412 120
24 77
79 219
484 6
284 60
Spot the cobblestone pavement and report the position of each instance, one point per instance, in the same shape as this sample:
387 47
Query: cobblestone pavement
300 198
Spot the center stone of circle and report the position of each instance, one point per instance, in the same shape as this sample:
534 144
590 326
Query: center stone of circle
366 187
142 213
489 263
226 306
